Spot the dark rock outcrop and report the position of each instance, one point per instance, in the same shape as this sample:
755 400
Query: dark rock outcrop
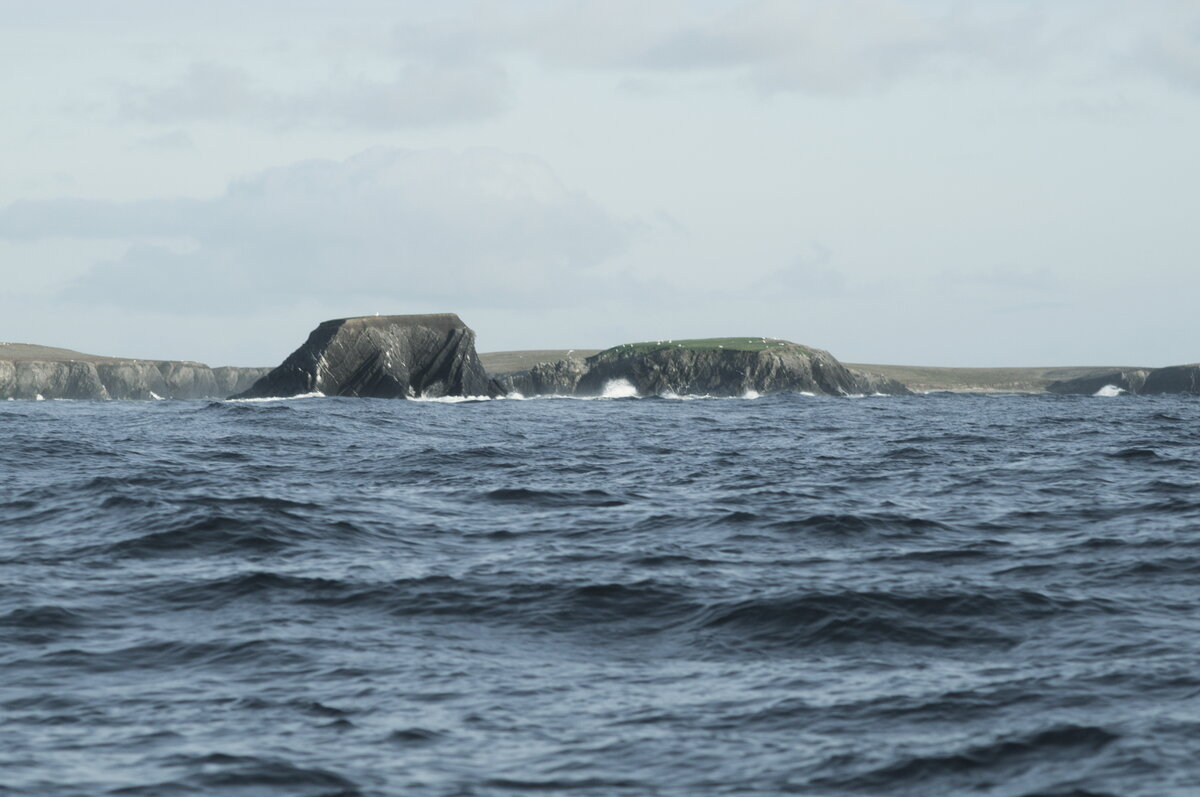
722 367
1173 379
1138 381
402 356
1127 380
558 378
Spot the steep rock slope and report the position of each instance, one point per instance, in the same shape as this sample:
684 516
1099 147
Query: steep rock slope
1128 380
1173 379
1141 381
399 356
28 372
712 367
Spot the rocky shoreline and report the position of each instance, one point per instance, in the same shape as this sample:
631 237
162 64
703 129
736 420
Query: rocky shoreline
433 356
36 372
1135 381
713 367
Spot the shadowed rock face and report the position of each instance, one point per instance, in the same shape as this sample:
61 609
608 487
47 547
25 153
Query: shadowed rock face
1146 382
1173 379
1130 381
698 370
402 356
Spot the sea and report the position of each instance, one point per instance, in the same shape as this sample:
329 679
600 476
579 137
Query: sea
927 595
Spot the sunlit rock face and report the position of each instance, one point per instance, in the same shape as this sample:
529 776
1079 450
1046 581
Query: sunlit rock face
82 377
398 356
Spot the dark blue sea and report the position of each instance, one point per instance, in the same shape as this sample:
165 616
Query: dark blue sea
934 595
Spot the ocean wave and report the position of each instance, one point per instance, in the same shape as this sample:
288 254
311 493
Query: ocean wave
1062 748
222 773
885 523
555 498
313 394
171 654
931 619
42 618
216 532
937 595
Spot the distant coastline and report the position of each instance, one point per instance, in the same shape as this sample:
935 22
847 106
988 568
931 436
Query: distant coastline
67 373
918 378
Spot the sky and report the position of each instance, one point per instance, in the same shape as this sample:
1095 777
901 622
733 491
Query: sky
928 182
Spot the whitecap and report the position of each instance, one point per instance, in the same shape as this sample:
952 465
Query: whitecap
1108 391
314 394
448 399
618 388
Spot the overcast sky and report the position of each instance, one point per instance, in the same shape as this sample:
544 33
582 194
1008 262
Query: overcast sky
920 182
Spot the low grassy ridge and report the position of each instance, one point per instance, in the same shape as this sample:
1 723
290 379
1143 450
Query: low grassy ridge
703 344
922 378
502 362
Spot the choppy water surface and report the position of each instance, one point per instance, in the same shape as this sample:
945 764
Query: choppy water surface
912 596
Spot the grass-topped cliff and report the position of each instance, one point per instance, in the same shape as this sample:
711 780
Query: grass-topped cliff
30 371
754 344
727 366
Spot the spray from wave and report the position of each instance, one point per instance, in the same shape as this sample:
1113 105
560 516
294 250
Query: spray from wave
618 388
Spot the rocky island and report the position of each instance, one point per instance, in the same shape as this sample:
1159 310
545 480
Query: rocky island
394 356
433 355
707 367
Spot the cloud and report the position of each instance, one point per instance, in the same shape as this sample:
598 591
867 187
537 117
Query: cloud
418 95
415 65
1171 51
388 225
810 46
810 274
172 140
447 66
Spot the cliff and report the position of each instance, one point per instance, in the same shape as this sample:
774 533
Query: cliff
28 371
1137 381
1128 380
1173 379
400 356
710 367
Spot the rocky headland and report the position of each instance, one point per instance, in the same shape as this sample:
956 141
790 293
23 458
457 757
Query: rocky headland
29 371
707 367
426 356
1135 381
395 356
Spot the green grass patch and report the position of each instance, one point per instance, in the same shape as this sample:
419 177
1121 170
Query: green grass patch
702 344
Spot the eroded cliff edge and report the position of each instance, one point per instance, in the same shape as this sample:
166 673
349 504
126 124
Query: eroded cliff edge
708 367
1183 379
395 356
28 371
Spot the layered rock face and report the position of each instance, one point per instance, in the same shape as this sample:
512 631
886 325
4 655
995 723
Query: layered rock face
717 367
111 378
400 356
1173 379
1129 381
1139 381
